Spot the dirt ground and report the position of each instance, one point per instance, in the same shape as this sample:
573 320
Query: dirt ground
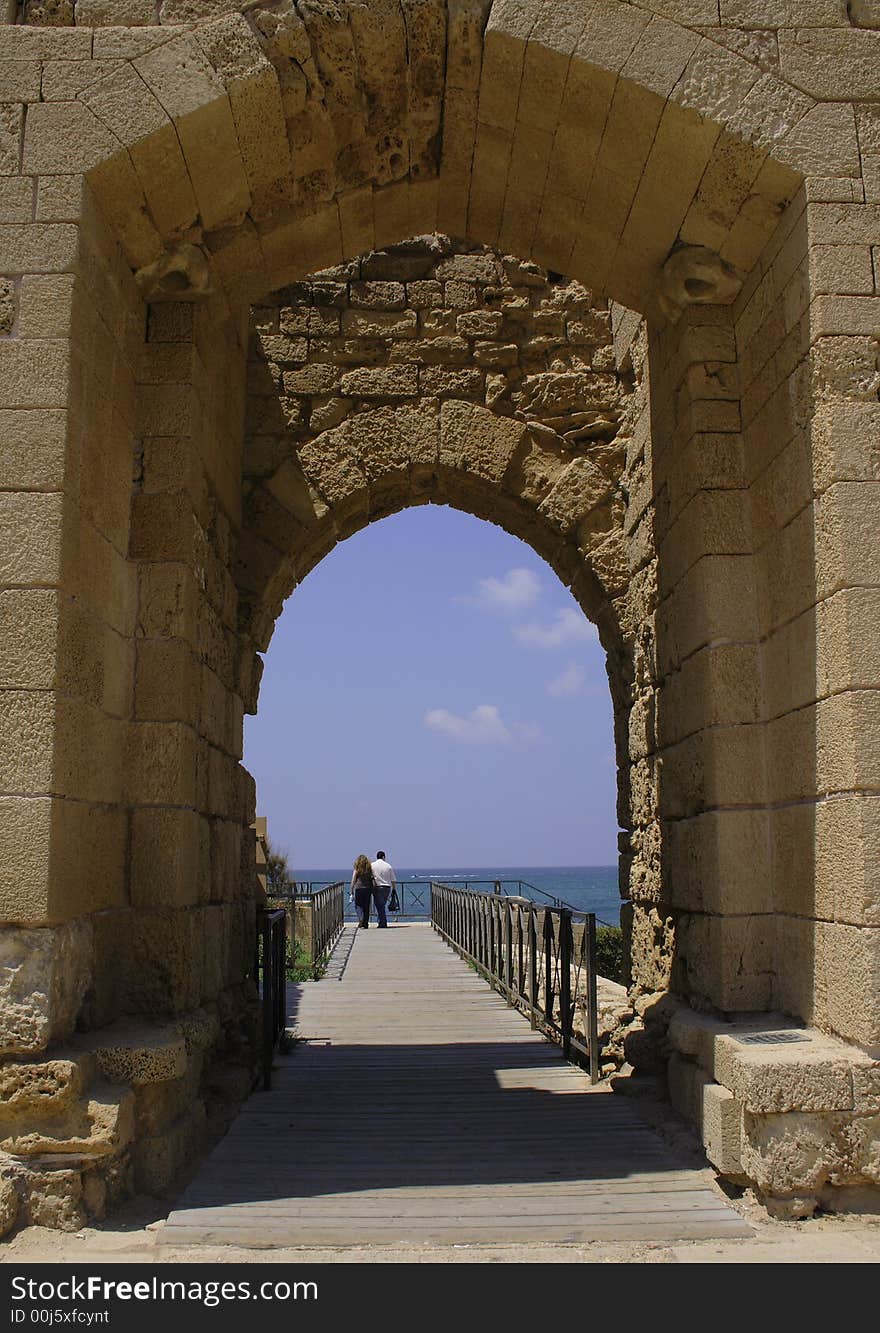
134 1235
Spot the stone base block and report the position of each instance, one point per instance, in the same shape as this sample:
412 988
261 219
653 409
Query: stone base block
118 1109
9 1205
792 1111
44 975
159 1159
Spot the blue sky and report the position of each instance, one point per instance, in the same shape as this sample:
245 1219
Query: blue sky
433 689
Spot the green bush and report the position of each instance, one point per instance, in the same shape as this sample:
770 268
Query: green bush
299 966
609 953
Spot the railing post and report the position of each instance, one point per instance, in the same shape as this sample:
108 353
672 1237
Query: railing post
565 945
592 998
548 966
533 965
508 946
520 975
482 908
493 942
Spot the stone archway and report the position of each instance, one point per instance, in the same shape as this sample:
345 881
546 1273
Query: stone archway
720 194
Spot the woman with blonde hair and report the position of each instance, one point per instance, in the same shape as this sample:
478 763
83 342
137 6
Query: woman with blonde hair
362 889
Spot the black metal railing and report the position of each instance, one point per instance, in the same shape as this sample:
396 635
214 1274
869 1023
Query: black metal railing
542 959
414 895
270 977
328 916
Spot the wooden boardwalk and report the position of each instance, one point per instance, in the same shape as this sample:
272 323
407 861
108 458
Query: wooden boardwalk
417 1107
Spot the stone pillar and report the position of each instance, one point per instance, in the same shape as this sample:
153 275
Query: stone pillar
304 927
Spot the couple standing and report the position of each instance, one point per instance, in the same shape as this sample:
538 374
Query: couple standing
372 881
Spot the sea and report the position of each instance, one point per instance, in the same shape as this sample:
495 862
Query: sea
585 888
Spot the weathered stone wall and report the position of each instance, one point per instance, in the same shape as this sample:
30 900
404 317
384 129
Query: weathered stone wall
458 327
717 174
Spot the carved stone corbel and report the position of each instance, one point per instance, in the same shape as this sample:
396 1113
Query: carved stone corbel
695 275
181 274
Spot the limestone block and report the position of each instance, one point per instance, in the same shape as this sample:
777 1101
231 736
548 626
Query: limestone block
27 732
803 1073
472 439
165 954
16 199
720 861
167 850
124 103
480 324
98 1126
864 13
852 962
25 832
52 1196
830 63
792 1153
115 13
380 324
33 448
316 378
45 974
65 137
685 1081
866 1086
721 1127
727 960
478 268
49 13
33 373
167 681
28 637
824 142
390 440
30 43
182 79
51 1085
256 102
451 383
45 310
225 850
11 121
575 494
161 759
434 351
9 1205
693 1034
136 1053
158 1105
396 382
378 295
20 80
159 1158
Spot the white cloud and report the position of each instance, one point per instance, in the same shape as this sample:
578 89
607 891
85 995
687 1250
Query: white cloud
567 626
514 591
569 682
483 726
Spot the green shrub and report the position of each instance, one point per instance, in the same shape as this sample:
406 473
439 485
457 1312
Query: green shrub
609 953
299 966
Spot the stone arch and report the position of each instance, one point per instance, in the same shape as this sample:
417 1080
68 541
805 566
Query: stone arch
654 161
283 142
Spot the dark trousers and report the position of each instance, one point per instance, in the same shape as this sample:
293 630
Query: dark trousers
380 898
362 902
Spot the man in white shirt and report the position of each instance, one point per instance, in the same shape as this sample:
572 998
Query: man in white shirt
384 880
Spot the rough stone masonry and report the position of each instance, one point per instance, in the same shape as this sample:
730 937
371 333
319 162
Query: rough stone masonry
233 330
